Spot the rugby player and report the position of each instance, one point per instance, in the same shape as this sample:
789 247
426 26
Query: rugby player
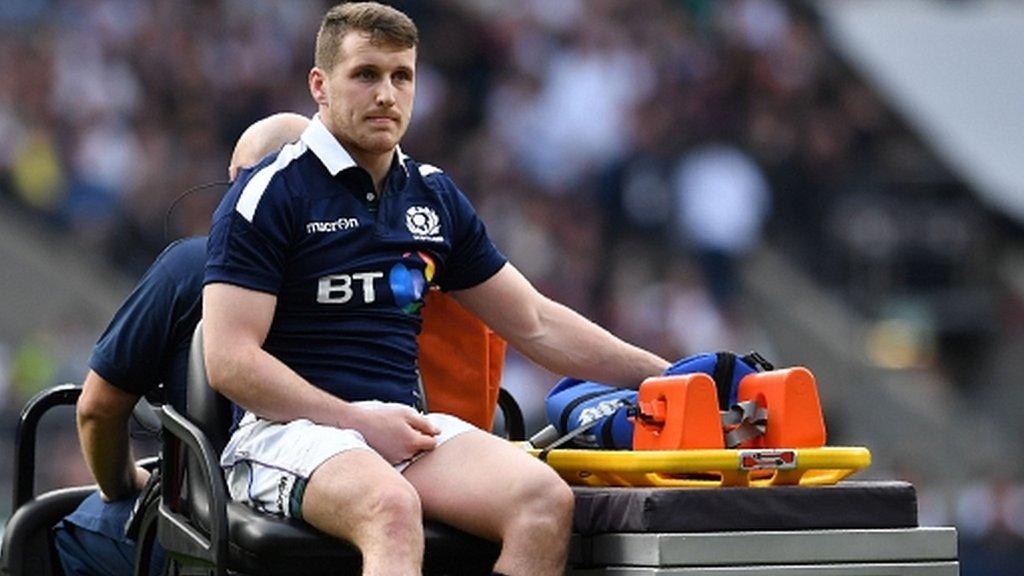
317 265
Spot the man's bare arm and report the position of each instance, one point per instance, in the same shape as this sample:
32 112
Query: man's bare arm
235 323
102 414
554 335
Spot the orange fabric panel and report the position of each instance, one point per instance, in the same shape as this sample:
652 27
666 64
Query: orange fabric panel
461 361
495 366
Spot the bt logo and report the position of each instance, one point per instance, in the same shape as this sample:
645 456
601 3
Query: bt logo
407 280
337 288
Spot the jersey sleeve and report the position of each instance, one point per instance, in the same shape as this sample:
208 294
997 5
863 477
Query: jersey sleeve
473 258
251 233
133 351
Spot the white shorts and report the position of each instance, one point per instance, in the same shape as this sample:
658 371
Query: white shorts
267 464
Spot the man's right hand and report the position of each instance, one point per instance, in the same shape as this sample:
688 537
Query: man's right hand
397 433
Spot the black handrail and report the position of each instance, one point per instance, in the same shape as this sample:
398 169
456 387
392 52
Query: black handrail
515 426
215 549
25 442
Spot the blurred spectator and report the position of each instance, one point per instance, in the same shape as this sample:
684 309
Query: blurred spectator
987 514
37 178
722 202
33 367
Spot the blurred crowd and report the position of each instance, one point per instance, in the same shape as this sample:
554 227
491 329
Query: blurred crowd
627 156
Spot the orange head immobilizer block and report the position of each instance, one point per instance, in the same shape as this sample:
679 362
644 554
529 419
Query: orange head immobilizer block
677 413
794 410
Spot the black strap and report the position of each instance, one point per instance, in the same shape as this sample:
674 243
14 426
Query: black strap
150 493
758 362
606 431
146 540
725 368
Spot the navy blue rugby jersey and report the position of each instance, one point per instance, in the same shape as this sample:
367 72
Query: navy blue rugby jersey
349 269
148 339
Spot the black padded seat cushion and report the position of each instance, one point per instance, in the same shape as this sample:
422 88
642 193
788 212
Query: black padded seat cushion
261 544
846 505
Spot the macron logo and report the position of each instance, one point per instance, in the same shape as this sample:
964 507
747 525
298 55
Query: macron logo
333 226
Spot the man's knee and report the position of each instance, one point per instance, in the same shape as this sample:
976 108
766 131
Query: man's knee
388 503
355 496
394 502
544 498
559 498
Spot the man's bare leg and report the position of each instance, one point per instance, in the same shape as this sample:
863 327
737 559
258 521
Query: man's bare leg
359 497
489 487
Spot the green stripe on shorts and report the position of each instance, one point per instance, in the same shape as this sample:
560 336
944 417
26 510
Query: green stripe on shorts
295 499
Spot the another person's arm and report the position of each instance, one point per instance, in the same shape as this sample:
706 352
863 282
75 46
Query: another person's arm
129 361
554 335
102 413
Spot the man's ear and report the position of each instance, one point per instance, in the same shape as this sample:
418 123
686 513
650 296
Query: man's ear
317 83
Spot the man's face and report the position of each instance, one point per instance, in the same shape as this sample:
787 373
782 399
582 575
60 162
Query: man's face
366 100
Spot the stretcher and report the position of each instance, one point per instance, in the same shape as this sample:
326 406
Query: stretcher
774 502
776 435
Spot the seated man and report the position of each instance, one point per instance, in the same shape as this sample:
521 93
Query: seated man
146 344
318 261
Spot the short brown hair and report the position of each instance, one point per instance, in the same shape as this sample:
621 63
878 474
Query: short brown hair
385 25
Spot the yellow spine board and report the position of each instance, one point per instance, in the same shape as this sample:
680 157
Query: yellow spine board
708 468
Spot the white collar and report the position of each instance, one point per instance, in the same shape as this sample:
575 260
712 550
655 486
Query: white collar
326 147
331 153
